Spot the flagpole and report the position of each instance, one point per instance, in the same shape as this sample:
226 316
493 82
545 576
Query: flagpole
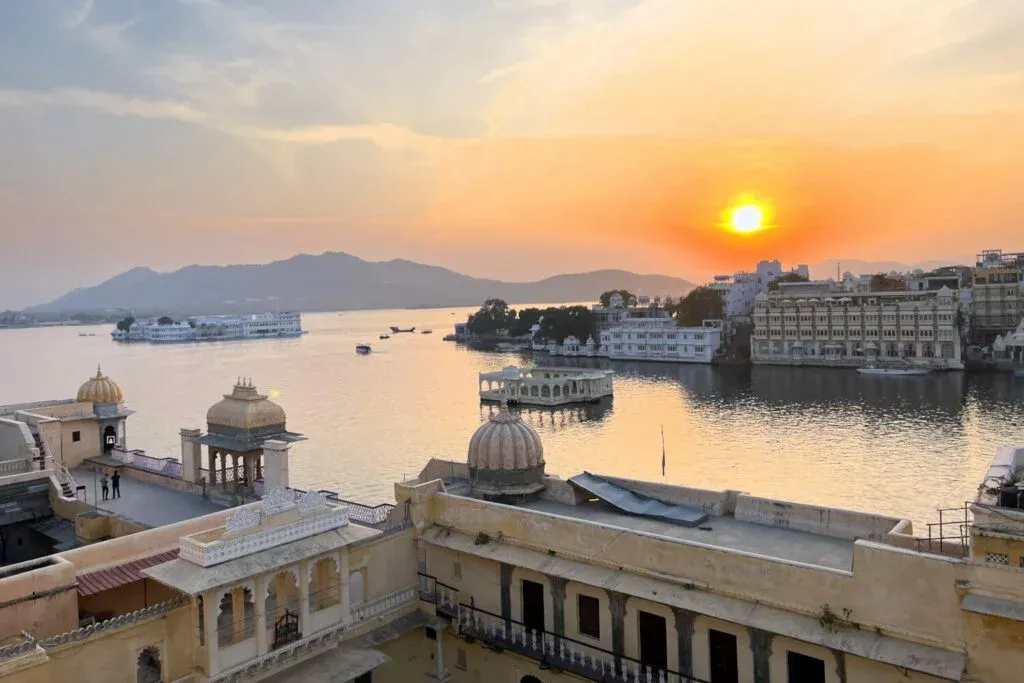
663 451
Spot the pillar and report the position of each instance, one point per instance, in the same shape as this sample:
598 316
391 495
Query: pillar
191 455
684 634
442 675
211 603
556 585
259 467
224 470
275 455
506 592
260 605
211 471
840 665
234 468
761 647
238 614
617 603
304 626
249 470
346 598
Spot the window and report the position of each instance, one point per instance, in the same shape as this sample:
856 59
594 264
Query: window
998 558
804 669
76 436
723 656
589 615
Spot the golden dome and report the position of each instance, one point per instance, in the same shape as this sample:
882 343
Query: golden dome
505 443
245 408
100 390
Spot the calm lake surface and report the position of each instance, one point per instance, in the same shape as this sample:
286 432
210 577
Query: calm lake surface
901 446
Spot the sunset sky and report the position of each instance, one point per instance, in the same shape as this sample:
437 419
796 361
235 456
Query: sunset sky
507 138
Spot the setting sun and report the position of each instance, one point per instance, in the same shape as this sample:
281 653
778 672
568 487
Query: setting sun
748 218
746 214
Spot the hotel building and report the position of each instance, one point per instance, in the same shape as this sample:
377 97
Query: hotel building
486 568
997 293
813 324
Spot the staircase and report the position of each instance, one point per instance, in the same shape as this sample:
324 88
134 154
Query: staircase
62 476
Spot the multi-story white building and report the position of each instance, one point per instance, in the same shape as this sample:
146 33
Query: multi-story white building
812 324
214 328
998 292
739 290
647 334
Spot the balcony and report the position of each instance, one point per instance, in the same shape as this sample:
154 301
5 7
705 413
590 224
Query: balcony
559 653
445 598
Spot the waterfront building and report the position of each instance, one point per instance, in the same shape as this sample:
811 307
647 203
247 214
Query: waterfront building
814 324
214 328
489 568
997 294
542 386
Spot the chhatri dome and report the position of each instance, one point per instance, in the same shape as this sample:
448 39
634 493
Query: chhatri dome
100 390
506 457
246 409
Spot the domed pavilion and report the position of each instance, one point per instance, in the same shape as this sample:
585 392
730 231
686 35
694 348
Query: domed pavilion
506 458
237 426
108 407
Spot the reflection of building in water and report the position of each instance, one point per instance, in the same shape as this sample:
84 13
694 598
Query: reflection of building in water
555 417
541 386
487 569
812 324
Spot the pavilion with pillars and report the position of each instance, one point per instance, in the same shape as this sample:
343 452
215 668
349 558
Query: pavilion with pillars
237 427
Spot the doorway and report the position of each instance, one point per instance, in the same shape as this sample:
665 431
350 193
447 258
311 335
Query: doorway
533 605
724 664
653 631
148 666
804 669
109 438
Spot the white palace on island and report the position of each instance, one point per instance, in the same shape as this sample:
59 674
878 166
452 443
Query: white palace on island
646 331
214 328
811 323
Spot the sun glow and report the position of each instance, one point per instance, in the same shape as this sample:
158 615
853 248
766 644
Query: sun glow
746 215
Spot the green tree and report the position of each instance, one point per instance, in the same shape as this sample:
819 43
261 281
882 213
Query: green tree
788 277
606 298
525 320
125 324
703 303
494 315
165 320
880 282
566 321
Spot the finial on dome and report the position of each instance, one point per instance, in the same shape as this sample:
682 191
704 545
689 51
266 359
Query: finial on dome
99 371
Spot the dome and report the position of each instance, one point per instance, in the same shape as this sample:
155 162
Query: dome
100 390
245 408
506 456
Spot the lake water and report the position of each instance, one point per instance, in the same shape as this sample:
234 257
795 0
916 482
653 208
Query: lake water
901 446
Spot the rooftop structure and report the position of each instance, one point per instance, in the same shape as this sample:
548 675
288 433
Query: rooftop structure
506 458
543 386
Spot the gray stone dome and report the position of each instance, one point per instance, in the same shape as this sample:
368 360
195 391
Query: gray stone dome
506 457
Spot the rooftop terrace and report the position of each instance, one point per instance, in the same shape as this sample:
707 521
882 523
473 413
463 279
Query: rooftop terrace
145 503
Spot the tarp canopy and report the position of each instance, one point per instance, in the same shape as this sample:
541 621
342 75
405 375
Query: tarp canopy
633 503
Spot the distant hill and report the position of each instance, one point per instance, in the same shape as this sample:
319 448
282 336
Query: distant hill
336 281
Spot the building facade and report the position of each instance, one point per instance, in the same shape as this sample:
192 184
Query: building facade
997 294
214 328
812 324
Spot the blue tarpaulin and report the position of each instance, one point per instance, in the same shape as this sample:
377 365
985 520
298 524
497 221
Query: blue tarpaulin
633 503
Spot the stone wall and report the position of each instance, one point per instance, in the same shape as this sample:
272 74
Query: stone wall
846 524
38 597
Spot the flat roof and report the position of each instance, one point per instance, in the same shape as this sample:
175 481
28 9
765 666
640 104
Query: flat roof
723 532
149 504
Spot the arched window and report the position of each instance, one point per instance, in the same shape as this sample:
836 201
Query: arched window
545 391
231 627
148 666
324 584
557 391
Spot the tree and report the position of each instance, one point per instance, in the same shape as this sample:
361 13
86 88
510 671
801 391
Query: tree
703 303
494 315
568 321
606 298
165 320
788 277
880 282
125 324
526 319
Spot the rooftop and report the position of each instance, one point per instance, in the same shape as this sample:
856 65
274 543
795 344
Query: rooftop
145 503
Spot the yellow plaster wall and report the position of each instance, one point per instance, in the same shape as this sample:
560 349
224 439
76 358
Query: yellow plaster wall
128 598
388 563
72 452
995 648
111 656
1011 547
53 611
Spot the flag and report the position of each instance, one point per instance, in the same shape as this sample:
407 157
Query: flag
663 450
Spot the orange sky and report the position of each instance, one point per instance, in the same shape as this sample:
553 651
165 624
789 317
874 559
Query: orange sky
512 140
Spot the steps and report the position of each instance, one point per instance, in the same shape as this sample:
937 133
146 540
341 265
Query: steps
65 487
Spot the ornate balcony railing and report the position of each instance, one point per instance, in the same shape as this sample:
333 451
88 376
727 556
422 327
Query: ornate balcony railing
559 652
445 598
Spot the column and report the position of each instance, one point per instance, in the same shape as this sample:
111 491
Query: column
260 606
346 598
238 614
224 470
211 471
442 675
506 593
761 647
234 468
556 585
684 634
304 626
840 665
617 603
259 466
211 602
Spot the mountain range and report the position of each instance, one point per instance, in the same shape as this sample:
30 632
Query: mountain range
335 281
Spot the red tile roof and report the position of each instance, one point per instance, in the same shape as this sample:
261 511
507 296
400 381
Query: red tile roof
129 572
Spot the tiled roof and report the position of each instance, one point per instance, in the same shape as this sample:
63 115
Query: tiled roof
129 572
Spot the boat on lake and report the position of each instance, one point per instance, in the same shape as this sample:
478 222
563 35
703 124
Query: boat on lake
363 348
398 330
427 332
893 372
385 336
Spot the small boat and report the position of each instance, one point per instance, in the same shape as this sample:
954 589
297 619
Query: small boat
397 330
363 348
385 336
894 372
426 332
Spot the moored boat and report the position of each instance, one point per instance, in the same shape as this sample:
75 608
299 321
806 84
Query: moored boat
396 330
363 348
895 372
426 332
385 336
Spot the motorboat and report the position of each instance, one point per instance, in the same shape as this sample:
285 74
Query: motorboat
398 330
363 348
426 332
385 336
